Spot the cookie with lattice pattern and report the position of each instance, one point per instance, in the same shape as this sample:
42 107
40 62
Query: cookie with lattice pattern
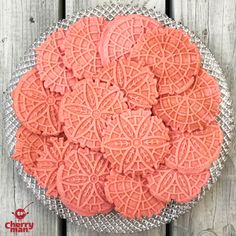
49 62
195 152
135 142
49 161
168 184
173 58
27 147
193 109
80 182
36 107
137 82
81 46
121 34
85 111
131 196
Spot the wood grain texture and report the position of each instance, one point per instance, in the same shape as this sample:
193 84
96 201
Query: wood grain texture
214 22
20 23
71 7
74 5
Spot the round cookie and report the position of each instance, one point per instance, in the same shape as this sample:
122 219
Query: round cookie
120 35
172 57
81 46
168 184
36 107
194 109
85 111
195 152
80 182
50 64
137 82
49 161
131 196
135 142
27 147
105 31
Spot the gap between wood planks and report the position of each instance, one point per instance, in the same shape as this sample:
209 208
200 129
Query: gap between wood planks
62 229
169 12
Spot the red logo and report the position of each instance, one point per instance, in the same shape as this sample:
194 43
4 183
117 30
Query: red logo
19 225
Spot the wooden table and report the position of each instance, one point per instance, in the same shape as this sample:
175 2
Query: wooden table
213 20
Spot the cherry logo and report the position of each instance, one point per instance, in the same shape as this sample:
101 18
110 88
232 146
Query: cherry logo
18 225
20 213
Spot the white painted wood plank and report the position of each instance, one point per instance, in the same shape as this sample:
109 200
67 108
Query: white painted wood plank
214 22
20 23
74 5
71 7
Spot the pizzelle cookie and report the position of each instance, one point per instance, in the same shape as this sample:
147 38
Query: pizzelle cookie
50 159
80 182
173 58
131 196
36 107
81 46
52 70
137 82
28 146
168 184
135 142
86 110
121 34
195 152
195 108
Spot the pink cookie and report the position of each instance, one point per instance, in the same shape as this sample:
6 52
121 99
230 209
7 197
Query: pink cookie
86 110
80 182
27 147
50 64
137 82
193 109
49 161
172 57
120 35
81 46
135 142
195 152
36 107
131 196
168 184
106 30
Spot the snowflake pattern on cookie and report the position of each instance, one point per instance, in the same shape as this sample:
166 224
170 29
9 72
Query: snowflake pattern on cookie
81 180
86 110
135 142
137 82
131 196
172 57
193 109
36 107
